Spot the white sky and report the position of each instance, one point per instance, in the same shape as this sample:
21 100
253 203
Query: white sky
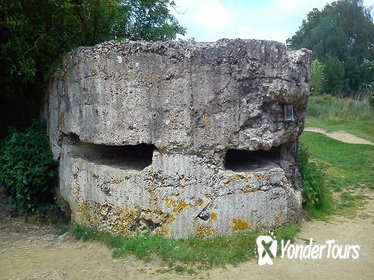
210 20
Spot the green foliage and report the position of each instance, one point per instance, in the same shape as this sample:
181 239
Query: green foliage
150 20
371 97
45 29
341 37
370 87
317 198
214 251
35 35
334 75
317 77
27 170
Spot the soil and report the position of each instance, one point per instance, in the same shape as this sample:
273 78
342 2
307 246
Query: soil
31 250
341 136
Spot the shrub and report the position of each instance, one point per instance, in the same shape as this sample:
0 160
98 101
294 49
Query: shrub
27 170
317 199
317 78
371 96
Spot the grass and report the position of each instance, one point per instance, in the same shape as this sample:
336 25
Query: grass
181 254
350 203
334 114
348 167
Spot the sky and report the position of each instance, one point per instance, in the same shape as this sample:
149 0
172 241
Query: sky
211 20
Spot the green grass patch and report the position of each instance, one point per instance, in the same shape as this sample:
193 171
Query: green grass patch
347 165
177 268
180 254
348 168
334 114
349 203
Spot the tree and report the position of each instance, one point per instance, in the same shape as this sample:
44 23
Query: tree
35 34
334 74
342 36
317 78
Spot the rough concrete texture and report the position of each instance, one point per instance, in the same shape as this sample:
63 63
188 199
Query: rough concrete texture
221 152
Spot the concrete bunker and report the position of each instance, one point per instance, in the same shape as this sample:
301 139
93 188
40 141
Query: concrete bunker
179 138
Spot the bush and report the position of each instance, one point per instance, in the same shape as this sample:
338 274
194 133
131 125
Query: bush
317 78
317 199
27 170
371 96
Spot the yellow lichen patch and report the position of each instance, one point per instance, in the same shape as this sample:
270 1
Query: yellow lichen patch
213 217
238 177
169 202
122 219
277 219
200 202
82 214
77 192
204 230
260 177
180 206
182 180
177 206
82 207
207 195
249 190
206 121
211 206
173 118
152 179
126 215
170 219
163 229
239 224
116 181
61 119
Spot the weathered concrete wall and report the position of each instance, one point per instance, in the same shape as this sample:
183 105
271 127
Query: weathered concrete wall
193 102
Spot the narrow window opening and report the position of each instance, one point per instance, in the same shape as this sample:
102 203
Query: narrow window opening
135 157
241 160
288 113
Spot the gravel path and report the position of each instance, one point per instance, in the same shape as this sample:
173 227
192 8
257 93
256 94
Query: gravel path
31 251
341 136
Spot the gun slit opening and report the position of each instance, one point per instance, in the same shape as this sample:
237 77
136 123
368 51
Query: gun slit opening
136 157
242 160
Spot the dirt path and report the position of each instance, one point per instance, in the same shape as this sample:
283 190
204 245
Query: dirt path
31 251
341 136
